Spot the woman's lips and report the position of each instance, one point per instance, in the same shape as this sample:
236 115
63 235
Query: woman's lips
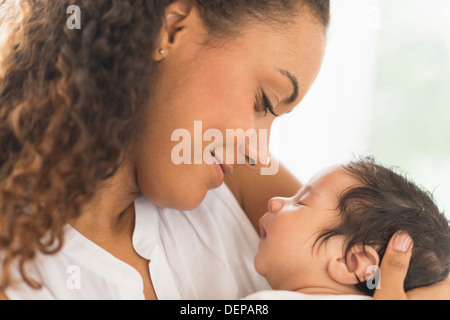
219 171
226 170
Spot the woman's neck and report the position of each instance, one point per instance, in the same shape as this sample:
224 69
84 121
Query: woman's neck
111 212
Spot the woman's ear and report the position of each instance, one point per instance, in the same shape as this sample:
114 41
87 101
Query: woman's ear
179 16
355 267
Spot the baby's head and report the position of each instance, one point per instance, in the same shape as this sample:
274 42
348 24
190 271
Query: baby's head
328 237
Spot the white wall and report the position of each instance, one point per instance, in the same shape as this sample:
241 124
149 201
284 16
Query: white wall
350 104
331 125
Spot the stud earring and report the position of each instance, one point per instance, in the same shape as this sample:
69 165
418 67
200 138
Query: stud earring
162 51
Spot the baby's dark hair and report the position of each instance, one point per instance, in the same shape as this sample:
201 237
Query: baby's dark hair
384 203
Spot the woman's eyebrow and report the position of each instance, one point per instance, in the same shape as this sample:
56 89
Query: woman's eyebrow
294 81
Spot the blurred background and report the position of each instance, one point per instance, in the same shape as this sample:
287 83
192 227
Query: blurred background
384 90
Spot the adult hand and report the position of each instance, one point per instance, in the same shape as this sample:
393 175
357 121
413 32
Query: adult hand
394 268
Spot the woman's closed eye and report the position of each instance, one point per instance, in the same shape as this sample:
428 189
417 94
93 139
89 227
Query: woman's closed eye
264 102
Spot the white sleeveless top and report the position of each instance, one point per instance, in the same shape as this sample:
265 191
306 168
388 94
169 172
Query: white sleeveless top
203 254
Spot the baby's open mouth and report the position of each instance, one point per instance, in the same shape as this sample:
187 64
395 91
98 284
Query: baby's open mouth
262 231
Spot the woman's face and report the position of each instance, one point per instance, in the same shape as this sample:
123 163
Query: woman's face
218 85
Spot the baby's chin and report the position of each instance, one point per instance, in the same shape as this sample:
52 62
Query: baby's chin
259 265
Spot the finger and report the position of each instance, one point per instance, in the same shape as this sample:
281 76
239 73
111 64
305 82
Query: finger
394 268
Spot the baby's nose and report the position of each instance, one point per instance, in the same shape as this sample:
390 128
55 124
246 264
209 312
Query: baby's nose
276 204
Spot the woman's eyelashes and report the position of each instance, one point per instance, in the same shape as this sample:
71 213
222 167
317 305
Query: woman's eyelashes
264 102
268 106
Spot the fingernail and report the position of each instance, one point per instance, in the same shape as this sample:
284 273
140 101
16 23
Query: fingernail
402 242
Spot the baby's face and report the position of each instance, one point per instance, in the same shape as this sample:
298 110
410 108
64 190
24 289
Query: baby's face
291 226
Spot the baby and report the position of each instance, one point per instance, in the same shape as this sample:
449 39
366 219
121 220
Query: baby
327 239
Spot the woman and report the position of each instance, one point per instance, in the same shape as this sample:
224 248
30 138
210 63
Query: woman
86 122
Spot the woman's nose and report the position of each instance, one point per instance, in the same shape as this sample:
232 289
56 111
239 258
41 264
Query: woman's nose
257 154
276 204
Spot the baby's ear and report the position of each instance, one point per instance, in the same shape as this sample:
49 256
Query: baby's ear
357 264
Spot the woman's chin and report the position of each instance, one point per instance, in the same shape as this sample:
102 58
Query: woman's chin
181 188
182 200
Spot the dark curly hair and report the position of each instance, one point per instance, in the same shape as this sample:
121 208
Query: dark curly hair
70 103
384 203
